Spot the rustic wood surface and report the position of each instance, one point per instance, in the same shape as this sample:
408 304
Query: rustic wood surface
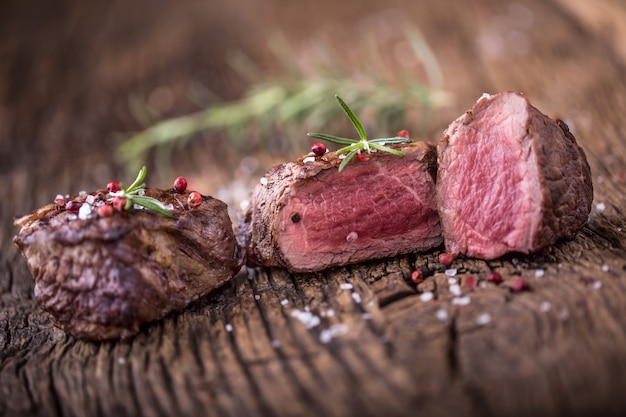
352 341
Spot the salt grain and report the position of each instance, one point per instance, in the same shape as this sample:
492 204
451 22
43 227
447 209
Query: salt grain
619 229
257 297
90 199
451 281
263 181
345 286
328 313
307 318
366 316
442 315
539 273
58 196
275 343
121 361
600 207
597 284
605 268
461 301
451 272
545 306
84 212
308 159
427 296
483 97
229 327
356 297
284 302
455 289
483 319
342 156
332 332
352 236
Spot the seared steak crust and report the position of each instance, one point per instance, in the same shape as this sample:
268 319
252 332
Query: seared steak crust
510 179
307 216
102 278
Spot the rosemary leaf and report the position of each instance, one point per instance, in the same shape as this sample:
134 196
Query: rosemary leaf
347 159
151 203
355 120
386 149
331 138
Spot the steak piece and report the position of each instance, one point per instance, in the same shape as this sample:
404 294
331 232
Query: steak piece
510 179
102 278
307 216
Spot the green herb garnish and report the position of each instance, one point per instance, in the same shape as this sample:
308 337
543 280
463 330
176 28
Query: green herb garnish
132 195
355 147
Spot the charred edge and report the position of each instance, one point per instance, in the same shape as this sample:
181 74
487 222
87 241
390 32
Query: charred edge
453 354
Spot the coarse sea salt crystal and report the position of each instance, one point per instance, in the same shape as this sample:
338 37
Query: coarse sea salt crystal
545 306
328 313
58 196
442 315
597 284
483 319
452 281
366 316
600 207
257 297
451 272
352 236
307 318
275 343
90 199
455 289
483 97
539 273
427 296
84 212
342 156
356 297
263 181
461 301
284 302
332 332
605 268
308 159
228 327
345 286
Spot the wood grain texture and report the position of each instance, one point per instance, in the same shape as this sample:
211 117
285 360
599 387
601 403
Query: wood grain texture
349 341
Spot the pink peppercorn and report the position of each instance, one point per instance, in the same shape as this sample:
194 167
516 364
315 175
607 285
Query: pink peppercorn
417 276
470 282
60 202
113 187
403 134
520 284
318 148
447 258
180 184
495 277
119 203
73 206
105 210
194 199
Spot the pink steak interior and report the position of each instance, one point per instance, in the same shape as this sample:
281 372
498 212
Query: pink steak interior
370 210
489 190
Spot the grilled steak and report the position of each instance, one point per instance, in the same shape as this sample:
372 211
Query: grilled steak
103 277
307 216
510 179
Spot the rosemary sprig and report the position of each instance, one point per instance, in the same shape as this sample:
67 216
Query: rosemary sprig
133 196
355 147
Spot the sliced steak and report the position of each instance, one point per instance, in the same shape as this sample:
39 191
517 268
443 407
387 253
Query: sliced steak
307 216
510 179
102 278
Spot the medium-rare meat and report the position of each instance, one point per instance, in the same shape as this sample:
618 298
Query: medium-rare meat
307 216
103 277
510 179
